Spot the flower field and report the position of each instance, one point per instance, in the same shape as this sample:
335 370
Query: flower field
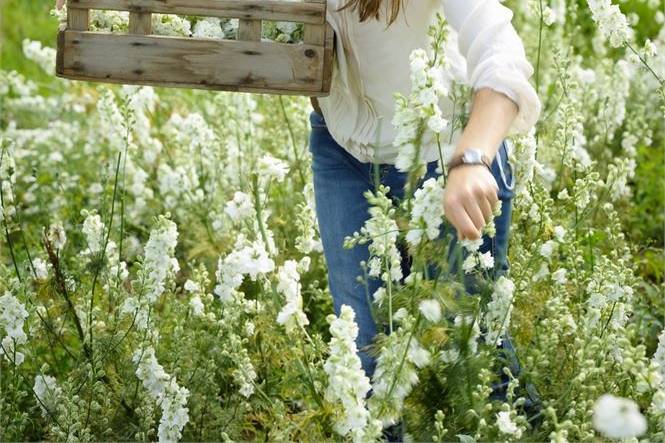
162 276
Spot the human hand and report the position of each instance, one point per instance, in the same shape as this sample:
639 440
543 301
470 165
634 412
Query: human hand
471 194
59 4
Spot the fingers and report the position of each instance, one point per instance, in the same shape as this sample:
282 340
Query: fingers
471 211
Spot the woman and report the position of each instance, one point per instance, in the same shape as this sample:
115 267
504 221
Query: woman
351 132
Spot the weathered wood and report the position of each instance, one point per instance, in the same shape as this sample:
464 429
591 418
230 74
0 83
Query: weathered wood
140 23
249 30
244 65
247 66
78 19
276 10
328 58
314 34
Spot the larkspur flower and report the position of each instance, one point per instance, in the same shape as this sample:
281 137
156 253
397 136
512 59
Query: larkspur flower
617 417
163 388
347 383
12 320
291 315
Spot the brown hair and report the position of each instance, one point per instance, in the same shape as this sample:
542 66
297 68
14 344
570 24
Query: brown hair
370 9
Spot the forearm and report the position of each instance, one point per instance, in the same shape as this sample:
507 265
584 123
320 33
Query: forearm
492 113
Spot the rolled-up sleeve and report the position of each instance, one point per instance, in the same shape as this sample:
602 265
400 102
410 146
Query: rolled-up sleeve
495 55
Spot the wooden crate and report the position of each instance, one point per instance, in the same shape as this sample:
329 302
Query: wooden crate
244 65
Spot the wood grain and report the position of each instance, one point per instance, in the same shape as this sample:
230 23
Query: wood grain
232 65
277 10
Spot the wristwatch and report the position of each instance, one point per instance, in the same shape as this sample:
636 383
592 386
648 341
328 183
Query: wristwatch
470 156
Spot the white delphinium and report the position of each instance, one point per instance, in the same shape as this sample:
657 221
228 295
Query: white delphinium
163 388
111 123
93 229
477 259
381 231
611 21
347 383
308 239
41 268
193 133
659 355
559 276
56 236
499 309
12 319
420 111
247 258
158 264
291 315
451 354
427 211
240 207
506 424
271 167
48 392
396 372
159 258
110 21
617 417
169 24
431 309
209 27
42 55
244 375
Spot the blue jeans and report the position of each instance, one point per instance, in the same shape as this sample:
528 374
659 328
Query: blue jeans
341 208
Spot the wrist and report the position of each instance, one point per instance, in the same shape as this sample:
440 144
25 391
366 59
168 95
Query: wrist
469 157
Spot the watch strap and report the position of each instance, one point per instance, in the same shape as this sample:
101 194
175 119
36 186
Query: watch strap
458 160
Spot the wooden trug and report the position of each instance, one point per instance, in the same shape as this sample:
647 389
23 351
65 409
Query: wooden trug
243 65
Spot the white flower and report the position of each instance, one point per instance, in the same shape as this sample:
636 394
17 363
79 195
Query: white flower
559 233
209 27
197 306
506 424
240 206
165 391
48 392
559 276
41 269
12 319
159 260
427 211
617 417
611 21
191 286
499 309
347 382
431 310
93 229
291 315
547 248
270 166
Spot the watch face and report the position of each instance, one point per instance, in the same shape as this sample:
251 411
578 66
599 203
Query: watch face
472 156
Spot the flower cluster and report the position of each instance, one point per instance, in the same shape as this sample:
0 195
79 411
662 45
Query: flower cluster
347 383
164 389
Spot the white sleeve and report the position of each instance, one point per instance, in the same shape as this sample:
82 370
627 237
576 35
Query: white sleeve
495 55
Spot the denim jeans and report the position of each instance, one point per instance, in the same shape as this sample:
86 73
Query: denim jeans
341 208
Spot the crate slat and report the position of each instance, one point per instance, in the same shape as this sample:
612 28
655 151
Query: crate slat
249 30
233 65
140 23
277 10
78 19
314 34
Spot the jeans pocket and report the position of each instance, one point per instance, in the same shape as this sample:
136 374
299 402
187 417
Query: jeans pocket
506 179
316 120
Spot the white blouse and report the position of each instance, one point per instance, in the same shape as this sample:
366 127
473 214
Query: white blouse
372 63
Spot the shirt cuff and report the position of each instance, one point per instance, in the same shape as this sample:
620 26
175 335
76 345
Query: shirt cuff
511 79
